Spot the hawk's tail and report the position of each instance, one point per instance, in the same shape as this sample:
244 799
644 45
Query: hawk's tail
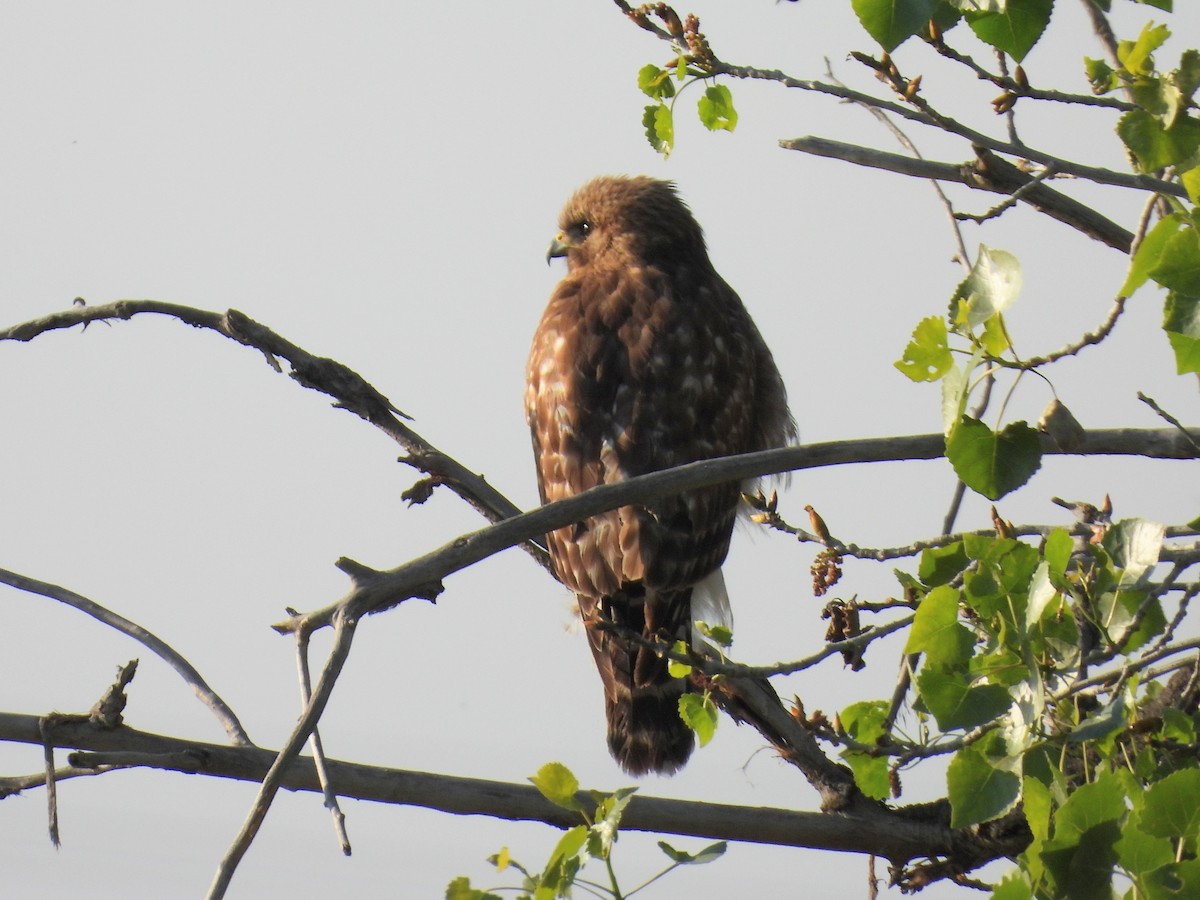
645 733
641 699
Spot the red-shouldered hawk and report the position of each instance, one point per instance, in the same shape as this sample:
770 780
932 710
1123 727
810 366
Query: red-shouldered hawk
645 359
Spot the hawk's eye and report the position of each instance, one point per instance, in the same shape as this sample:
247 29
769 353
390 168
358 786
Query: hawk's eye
582 229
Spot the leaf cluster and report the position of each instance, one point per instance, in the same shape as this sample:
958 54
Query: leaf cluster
592 840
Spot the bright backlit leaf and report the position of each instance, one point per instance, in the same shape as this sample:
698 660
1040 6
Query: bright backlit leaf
660 128
1137 56
683 858
559 785
992 286
655 82
927 356
700 715
716 109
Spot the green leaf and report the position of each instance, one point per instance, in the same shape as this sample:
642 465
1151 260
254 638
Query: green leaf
1038 803
1013 886
1014 30
1042 593
992 286
682 858
1134 545
1001 666
1149 253
979 791
870 773
956 387
957 705
460 889
1140 853
941 564
564 862
864 720
716 109
1177 267
559 785
1057 552
1171 809
927 356
660 128
1105 721
1187 77
655 82
892 22
937 633
1100 801
1081 855
699 713
678 669
1154 145
1186 347
1100 75
718 634
993 464
994 336
1137 56
1178 726
608 820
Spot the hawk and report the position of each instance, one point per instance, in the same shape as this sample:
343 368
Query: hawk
645 359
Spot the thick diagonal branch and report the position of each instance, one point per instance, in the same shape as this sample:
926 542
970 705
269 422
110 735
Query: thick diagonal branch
987 173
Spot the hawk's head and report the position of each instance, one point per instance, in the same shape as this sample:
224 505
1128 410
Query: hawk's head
636 221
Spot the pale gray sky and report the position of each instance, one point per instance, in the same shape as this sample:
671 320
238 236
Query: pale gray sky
378 182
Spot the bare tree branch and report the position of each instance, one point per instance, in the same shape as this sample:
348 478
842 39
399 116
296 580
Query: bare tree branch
897 834
229 721
318 751
349 390
988 173
378 590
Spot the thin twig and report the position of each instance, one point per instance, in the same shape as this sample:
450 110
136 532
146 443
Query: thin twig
229 721
1010 201
318 751
51 783
11 785
344 627
907 143
1167 417
1007 83
1180 614
1066 167
1090 339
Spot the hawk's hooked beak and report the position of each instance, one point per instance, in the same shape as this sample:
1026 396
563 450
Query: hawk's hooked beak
558 247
